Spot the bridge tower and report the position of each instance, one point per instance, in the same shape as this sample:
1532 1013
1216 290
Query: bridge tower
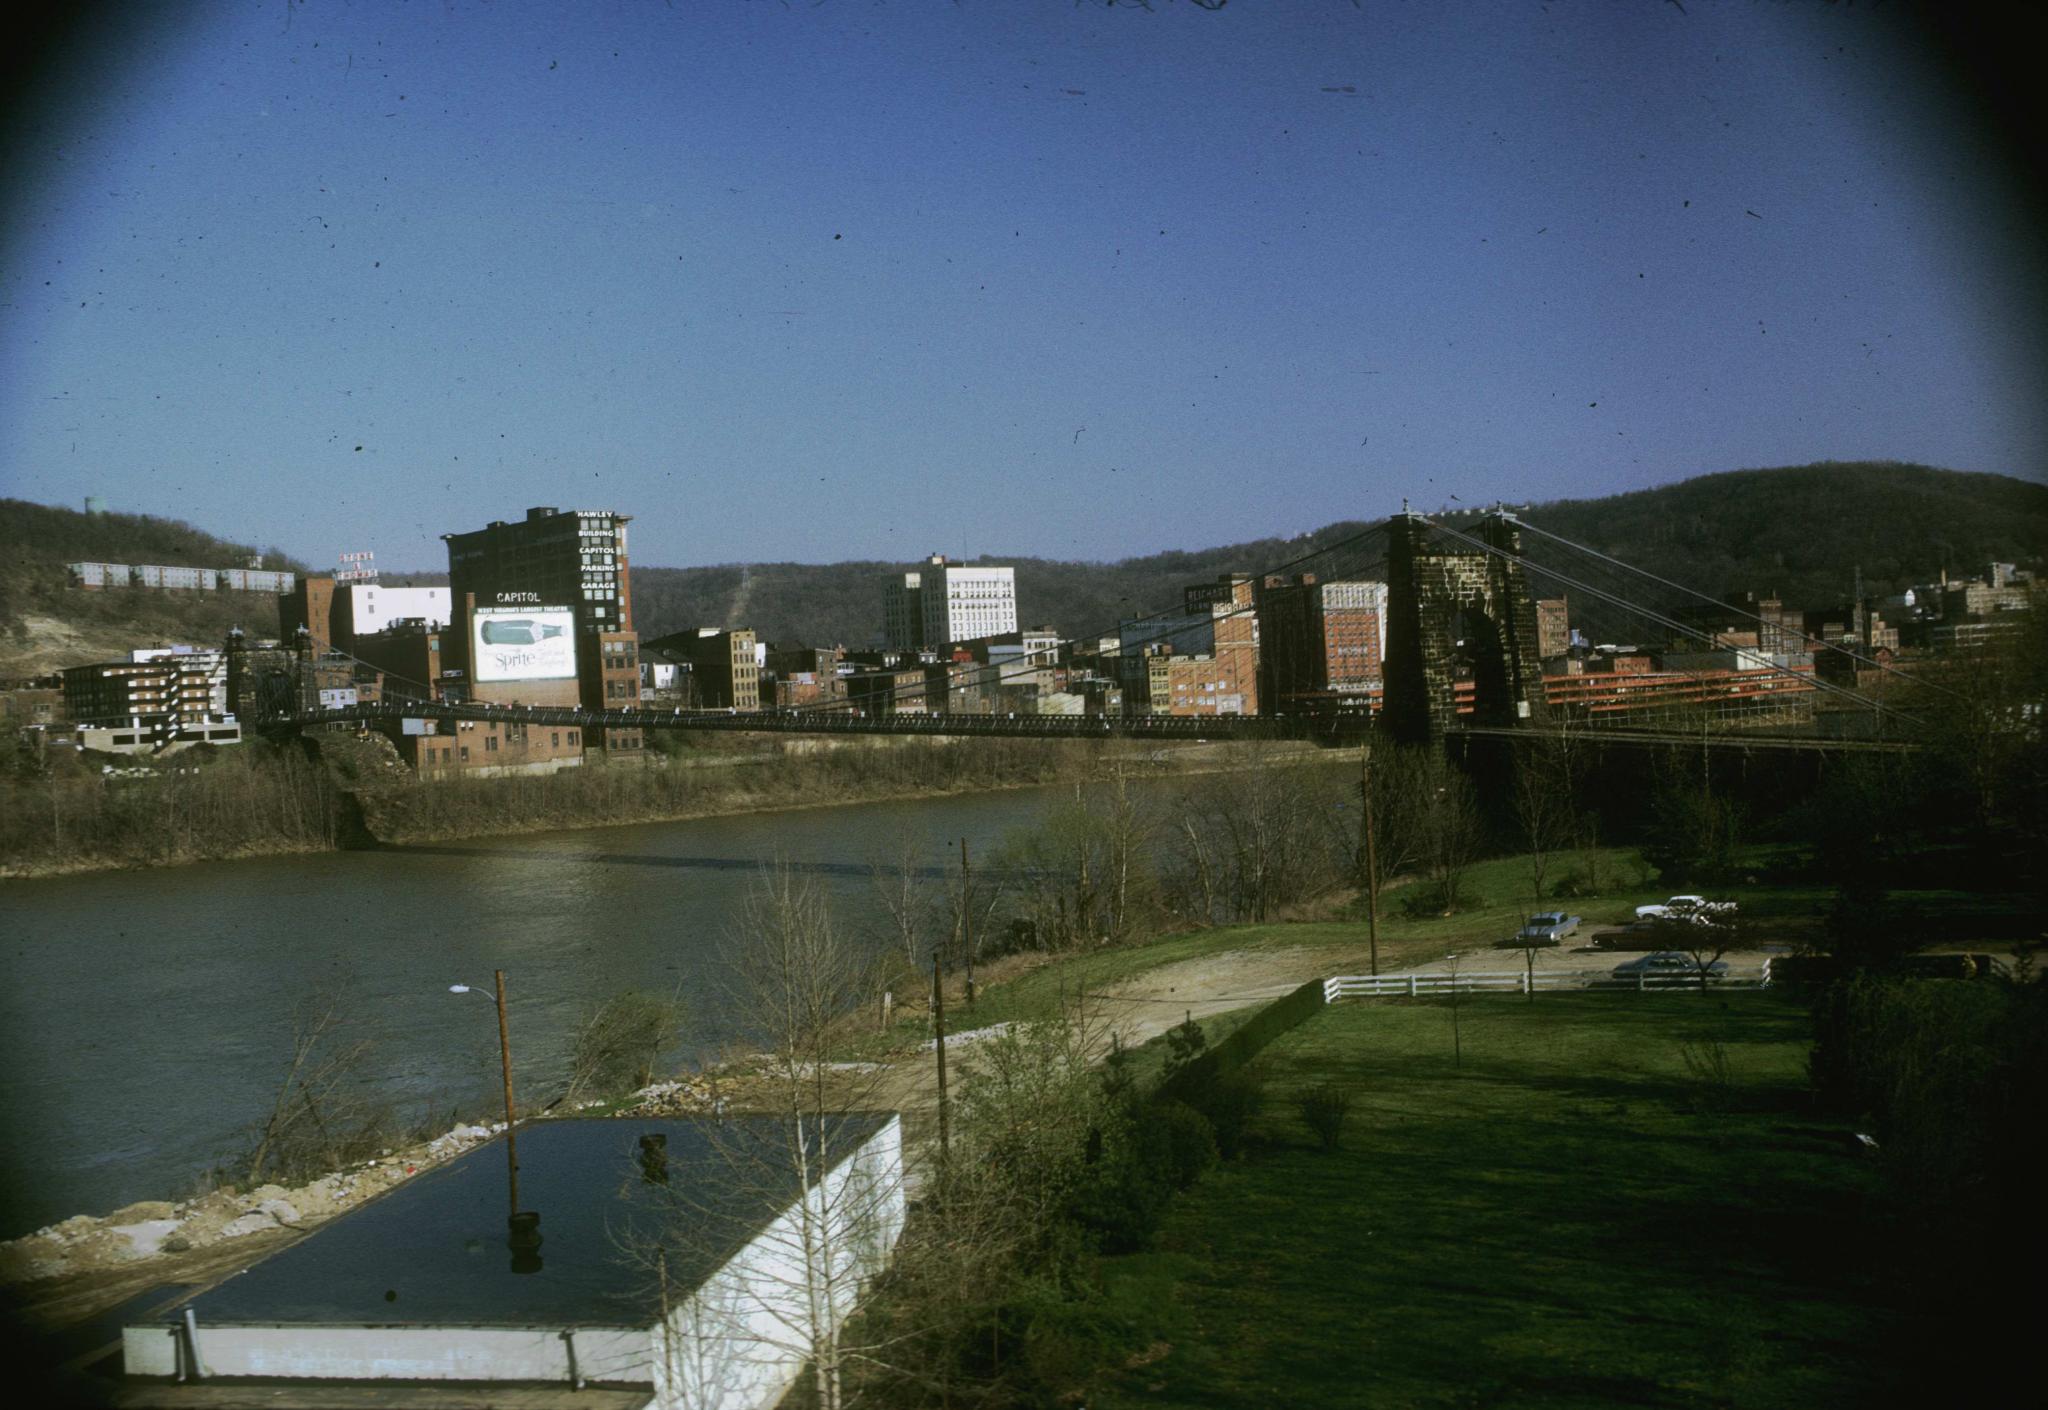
1447 607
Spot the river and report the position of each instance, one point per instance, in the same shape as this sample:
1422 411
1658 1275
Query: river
148 1015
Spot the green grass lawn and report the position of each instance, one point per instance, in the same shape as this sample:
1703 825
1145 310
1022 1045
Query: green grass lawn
1568 1217
1495 902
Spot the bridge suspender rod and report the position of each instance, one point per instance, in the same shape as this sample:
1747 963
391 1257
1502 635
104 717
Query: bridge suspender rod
1659 618
1730 607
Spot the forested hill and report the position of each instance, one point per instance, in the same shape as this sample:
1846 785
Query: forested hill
1803 531
1800 531
841 603
45 623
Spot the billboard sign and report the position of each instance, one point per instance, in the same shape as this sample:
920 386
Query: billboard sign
523 644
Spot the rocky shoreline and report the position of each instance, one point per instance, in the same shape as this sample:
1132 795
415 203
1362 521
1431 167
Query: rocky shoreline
162 1229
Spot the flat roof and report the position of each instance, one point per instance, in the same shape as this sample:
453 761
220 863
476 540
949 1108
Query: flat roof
435 1251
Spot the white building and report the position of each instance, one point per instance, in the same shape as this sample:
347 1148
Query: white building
214 663
693 1261
962 603
362 609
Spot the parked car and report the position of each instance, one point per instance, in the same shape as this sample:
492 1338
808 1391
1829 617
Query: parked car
1547 929
1693 908
1667 962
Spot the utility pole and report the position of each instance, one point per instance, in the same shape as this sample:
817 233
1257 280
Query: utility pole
1372 861
505 1053
967 921
939 1027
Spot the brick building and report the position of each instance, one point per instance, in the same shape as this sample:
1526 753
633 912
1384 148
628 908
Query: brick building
1318 639
723 664
552 556
308 605
447 748
1553 628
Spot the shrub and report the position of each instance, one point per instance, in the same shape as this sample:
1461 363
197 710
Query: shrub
1323 1108
1431 900
1230 1103
619 1043
1576 885
1185 1042
1189 1142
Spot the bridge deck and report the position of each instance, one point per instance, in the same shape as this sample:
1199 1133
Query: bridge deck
1349 728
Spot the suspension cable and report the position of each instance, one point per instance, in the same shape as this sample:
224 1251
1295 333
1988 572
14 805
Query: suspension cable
1812 680
1804 636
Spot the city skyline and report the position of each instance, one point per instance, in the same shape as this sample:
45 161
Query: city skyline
850 284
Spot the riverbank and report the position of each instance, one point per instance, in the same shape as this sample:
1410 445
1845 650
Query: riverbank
1147 985
340 792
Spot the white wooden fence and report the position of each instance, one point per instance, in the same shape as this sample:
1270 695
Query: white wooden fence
1393 986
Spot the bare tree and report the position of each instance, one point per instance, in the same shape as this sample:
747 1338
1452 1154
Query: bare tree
902 889
1082 872
320 1116
796 978
1455 997
619 1043
1259 838
1436 821
1545 780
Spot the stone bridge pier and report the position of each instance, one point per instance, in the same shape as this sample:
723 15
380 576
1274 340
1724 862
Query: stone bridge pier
1451 610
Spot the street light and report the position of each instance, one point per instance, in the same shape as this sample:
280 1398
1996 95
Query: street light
525 1227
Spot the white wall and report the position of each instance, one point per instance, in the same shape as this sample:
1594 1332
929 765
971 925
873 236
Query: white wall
745 1336
377 607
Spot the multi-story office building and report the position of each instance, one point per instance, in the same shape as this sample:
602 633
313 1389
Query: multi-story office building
410 656
362 609
958 602
1318 639
1553 628
308 604
903 611
1218 627
556 557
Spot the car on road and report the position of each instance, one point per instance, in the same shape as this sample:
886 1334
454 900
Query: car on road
1548 928
1668 962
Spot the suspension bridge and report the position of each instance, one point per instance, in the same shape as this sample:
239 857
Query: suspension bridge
1461 657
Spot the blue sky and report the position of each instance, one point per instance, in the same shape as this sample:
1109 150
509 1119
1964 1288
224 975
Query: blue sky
855 280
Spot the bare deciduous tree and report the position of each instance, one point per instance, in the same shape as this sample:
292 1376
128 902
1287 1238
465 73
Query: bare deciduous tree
320 1115
795 978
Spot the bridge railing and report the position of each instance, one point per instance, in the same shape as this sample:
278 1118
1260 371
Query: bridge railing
852 722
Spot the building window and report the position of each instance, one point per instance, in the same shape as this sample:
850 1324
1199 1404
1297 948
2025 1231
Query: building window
572 736
491 744
465 759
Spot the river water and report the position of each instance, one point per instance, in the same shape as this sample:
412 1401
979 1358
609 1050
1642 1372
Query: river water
148 1015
